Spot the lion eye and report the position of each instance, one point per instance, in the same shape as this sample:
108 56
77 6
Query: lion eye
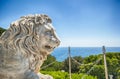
49 33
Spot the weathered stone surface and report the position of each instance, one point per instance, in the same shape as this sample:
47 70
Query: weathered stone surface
25 46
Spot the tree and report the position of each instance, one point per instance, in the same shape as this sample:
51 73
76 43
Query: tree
98 71
75 63
91 59
2 30
51 64
113 65
84 68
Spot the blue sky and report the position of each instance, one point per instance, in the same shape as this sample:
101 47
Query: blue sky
84 23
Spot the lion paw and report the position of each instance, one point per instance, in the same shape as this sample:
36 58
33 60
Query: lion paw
42 76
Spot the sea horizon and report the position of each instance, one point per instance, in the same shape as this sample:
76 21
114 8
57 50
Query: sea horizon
61 53
87 46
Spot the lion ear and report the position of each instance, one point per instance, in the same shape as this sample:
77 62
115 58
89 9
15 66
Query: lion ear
48 19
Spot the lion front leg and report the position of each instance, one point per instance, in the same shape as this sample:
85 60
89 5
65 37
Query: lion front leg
31 75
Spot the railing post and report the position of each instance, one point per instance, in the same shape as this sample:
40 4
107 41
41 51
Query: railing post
105 64
69 62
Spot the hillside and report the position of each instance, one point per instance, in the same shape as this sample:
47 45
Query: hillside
92 65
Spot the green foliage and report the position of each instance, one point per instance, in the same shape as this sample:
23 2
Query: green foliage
56 74
1 30
113 64
94 70
65 75
49 60
90 59
87 63
74 64
52 63
85 68
98 71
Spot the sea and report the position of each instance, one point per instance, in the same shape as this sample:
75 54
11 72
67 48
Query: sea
61 53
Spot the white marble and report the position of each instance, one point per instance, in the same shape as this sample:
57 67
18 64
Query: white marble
25 46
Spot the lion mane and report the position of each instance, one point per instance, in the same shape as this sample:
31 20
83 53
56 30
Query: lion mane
23 37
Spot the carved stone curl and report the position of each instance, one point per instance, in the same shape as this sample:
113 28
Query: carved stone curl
25 46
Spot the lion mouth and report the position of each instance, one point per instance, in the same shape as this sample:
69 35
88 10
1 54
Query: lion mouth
49 47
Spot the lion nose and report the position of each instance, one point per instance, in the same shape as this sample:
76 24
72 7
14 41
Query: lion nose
58 42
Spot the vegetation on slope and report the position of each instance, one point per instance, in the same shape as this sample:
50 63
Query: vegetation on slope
65 75
92 65
2 30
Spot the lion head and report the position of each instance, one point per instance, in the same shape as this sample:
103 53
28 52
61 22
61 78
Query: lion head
32 38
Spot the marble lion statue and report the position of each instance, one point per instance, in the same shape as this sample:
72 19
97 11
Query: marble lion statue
25 46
